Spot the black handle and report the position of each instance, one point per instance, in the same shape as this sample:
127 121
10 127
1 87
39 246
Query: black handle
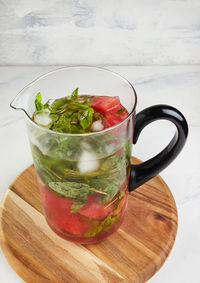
140 173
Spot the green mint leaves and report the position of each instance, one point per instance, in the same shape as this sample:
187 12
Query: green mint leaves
86 118
111 191
71 190
121 111
74 94
70 114
38 102
102 225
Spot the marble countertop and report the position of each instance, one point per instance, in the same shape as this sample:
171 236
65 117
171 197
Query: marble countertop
178 86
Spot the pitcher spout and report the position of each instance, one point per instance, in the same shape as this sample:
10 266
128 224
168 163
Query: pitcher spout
22 101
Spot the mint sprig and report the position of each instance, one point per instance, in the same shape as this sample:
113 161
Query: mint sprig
38 102
70 114
74 94
86 118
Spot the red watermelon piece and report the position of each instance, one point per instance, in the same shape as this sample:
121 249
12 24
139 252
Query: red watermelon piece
53 201
112 119
102 104
72 223
92 209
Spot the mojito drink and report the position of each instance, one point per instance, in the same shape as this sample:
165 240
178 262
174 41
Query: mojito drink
83 179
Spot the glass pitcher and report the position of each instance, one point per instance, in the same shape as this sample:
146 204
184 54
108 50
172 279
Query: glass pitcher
84 179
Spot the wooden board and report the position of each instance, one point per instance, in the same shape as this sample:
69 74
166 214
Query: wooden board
132 254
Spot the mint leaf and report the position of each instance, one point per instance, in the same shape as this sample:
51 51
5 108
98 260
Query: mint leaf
74 94
111 190
109 222
127 148
86 118
81 105
78 203
102 225
38 102
58 103
71 190
114 163
121 194
121 111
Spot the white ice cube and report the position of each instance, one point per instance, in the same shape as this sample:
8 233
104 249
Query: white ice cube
42 118
97 126
88 162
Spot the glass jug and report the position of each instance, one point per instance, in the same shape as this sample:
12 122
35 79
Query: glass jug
84 179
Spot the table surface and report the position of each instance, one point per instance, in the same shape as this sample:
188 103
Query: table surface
175 85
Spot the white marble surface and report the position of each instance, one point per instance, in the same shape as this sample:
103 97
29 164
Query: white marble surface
123 32
178 86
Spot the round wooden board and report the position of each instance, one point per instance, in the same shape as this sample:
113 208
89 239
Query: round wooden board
132 254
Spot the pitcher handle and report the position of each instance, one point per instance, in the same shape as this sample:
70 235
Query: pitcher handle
141 173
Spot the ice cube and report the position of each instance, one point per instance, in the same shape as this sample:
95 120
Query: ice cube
97 126
109 148
88 162
42 118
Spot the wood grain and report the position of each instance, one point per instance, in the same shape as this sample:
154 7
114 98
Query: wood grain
132 254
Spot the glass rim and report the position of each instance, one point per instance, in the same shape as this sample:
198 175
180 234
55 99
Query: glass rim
76 67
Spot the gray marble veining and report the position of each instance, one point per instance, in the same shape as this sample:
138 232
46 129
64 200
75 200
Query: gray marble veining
124 32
